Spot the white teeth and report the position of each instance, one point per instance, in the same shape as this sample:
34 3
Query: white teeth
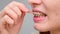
38 14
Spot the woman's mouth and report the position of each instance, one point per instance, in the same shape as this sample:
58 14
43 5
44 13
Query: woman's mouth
39 16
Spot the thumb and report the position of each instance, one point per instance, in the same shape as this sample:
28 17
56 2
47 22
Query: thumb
2 29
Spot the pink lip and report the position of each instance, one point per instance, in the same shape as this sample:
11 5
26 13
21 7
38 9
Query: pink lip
36 9
38 19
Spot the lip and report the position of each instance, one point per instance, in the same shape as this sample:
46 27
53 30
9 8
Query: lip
36 9
38 19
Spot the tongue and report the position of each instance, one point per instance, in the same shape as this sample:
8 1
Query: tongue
39 19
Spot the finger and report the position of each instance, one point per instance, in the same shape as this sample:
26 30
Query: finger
11 13
16 10
7 19
2 14
4 31
20 6
30 12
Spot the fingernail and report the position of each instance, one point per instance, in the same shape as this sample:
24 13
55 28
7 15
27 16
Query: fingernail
26 10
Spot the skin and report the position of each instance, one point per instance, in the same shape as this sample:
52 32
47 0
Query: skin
11 18
9 22
52 9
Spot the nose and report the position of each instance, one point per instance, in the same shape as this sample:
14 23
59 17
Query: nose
34 2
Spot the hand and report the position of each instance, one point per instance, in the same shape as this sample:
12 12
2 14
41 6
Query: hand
11 18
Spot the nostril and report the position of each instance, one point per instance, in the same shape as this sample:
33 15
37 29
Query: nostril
34 5
35 2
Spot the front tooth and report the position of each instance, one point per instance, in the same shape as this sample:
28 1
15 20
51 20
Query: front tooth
38 14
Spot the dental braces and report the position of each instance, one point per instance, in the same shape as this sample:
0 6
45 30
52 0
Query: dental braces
38 14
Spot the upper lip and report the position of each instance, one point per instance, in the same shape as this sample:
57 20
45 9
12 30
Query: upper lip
36 10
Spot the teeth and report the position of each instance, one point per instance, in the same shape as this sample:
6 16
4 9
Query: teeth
38 14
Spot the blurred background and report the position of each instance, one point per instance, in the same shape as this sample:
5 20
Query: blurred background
27 27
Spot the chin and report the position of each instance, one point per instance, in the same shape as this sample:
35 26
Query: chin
42 27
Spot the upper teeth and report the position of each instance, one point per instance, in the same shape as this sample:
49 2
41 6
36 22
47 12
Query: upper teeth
38 14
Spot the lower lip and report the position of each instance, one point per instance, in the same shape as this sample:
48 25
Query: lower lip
39 19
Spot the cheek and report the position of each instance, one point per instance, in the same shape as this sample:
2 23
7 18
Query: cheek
52 9
51 4
54 20
53 12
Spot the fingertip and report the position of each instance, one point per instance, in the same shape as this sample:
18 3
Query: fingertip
30 12
26 10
